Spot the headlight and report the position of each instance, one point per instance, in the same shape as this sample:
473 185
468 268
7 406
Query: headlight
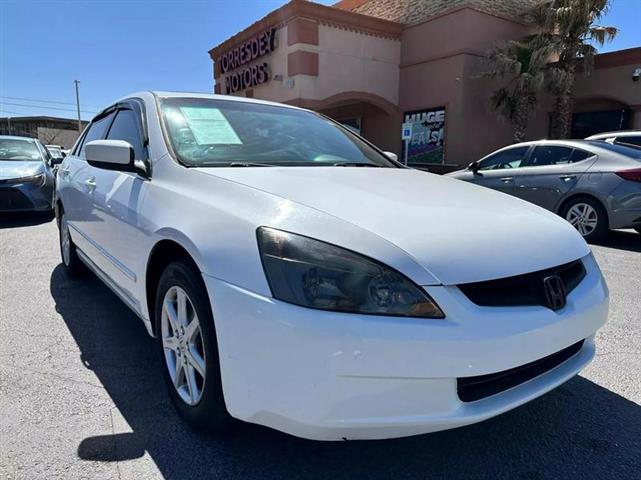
33 180
315 274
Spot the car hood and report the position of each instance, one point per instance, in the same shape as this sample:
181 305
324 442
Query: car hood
18 169
459 232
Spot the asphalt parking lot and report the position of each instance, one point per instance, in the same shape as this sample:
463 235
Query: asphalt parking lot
81 396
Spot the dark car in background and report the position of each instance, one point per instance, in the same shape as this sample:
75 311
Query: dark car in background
26 176
594 185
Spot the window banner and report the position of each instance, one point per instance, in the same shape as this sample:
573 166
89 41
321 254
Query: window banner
428 136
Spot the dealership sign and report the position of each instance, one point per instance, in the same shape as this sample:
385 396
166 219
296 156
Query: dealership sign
427 137
232 63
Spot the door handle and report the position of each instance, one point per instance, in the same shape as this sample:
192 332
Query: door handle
90 184
64 171
507 179
567 178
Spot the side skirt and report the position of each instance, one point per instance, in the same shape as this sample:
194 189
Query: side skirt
126 299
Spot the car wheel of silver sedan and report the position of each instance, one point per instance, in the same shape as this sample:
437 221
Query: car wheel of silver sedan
189 352
588 217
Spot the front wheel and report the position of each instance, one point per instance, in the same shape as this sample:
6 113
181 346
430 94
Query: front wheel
588 216
188 347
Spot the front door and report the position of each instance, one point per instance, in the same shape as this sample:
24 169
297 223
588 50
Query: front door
500 170
116 226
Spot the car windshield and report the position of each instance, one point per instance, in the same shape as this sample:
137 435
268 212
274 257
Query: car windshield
629 151
19 150
207 132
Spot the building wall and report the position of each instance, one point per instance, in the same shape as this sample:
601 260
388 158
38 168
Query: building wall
609 86
348 60
438 73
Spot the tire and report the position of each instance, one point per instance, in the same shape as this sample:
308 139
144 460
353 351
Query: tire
72 265
588 216
202 403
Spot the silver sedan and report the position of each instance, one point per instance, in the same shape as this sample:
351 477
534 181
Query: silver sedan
26 175
596 186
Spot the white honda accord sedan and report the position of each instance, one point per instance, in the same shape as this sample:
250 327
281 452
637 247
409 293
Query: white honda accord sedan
297 277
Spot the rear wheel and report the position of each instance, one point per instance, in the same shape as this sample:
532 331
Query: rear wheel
188 347
71 263
588 216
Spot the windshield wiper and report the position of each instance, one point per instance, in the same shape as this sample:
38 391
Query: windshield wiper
355 164
249 164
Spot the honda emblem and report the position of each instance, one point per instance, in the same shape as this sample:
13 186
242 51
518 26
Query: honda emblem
554 292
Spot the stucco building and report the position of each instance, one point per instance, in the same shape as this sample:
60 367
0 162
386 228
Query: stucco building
373 64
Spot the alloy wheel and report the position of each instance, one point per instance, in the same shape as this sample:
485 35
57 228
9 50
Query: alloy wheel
583 217
183 345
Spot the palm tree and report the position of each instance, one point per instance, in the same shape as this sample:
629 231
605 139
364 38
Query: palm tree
568 30
524 67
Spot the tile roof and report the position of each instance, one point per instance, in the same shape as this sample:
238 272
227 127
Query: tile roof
415 11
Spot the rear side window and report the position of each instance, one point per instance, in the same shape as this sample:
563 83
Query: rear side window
97 131
126 127
510 158
578 155
550 155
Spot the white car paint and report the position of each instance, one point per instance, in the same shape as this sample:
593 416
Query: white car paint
327 375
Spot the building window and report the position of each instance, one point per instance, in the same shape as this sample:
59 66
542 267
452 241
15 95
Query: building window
427 145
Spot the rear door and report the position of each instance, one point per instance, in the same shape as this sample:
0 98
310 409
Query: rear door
499 171
76 187
550 172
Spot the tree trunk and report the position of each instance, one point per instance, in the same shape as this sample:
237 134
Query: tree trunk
521 117
562 126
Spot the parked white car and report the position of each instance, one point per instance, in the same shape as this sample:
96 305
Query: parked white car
627 137
297 277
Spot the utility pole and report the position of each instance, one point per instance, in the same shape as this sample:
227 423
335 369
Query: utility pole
77 82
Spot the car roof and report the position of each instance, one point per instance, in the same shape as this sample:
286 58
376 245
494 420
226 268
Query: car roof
228 98
17 137
621 133
592 145
568 143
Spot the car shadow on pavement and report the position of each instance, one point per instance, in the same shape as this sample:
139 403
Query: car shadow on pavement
580 430
622 240
24 219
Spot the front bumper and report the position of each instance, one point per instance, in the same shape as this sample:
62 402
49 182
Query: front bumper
331 376
25 197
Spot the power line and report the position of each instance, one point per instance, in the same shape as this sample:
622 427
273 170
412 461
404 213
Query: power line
45 107
41 101
3 110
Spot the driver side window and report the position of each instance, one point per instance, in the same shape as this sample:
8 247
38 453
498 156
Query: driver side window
510 158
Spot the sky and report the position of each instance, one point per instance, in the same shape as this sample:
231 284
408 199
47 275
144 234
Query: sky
117 47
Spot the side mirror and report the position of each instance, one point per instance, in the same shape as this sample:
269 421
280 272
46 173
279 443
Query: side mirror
474 167
56 161
391 156
113 155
